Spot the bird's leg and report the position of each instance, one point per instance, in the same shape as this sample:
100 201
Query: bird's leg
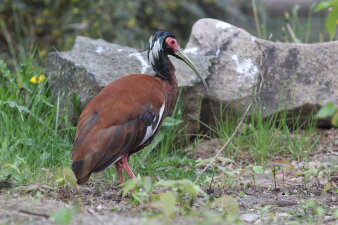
124 163
119 169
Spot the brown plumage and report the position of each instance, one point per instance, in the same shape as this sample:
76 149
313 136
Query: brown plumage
124 117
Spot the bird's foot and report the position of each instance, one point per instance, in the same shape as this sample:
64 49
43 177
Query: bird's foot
119 169
123 164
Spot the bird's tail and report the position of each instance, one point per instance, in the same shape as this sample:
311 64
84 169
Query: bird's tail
78 168
82 168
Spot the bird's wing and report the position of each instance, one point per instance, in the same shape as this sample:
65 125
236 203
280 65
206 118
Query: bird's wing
109 128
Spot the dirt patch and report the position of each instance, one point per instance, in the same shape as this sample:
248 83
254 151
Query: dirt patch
38 212
206 149
297 193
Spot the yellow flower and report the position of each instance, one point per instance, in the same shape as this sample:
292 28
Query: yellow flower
39 80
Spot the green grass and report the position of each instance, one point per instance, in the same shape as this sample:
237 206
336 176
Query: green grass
33 135
264 139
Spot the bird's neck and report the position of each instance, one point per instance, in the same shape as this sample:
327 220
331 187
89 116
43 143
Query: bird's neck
164 69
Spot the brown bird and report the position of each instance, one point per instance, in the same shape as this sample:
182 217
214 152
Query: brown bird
125 116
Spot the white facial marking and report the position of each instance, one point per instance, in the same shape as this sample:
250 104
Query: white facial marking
151 58
150 131
153 54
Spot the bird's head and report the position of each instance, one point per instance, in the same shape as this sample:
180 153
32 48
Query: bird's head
164 42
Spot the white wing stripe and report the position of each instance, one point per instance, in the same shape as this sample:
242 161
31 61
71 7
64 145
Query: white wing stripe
159 117
117 159
150 131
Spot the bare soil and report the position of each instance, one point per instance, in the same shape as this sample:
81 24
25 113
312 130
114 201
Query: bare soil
265 199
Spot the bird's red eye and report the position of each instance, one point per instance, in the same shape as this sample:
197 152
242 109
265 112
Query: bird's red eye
172 43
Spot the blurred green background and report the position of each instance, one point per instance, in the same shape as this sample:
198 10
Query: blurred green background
48 25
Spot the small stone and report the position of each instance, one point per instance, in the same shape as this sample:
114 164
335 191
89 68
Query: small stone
283 214
328 219
312 165
249 217
301 165
258 221
99 207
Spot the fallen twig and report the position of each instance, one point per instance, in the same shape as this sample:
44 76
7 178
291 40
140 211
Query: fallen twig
228 141
280 203
257 91
33 213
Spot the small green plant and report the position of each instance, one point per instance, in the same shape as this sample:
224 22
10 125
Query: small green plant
308 174
279 165
182 193
330 186
329 110
10 171
183 187
264 210
220 175
332 16
139 188
63 216
166 199
64 177
167 203
226 205
255 170
311 208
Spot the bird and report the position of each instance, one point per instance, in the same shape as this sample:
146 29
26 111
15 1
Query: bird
125 116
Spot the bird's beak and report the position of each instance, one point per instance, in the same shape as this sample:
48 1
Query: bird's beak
179 54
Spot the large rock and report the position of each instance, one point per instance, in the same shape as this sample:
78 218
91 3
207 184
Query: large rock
292 76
